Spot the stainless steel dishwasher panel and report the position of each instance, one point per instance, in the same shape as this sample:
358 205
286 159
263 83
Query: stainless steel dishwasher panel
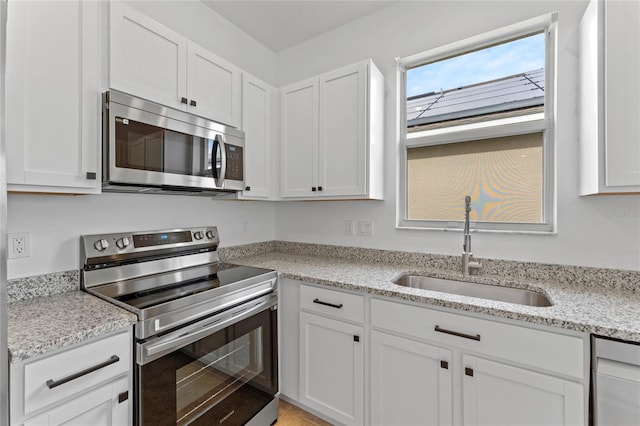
616 382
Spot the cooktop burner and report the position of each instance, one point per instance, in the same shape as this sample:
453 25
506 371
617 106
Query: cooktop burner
228 274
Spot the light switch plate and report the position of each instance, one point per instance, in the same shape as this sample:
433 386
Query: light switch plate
365 228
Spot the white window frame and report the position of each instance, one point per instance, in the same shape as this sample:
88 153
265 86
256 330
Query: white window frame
526 124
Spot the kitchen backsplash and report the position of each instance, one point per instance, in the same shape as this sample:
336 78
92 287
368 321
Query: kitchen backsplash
60 282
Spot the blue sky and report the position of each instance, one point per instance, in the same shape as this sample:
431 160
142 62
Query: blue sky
517 56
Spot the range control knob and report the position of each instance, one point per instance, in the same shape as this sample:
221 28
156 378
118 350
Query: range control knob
198 235
101 245
123 242
210 234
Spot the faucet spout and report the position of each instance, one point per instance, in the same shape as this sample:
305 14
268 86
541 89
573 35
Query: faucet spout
467 257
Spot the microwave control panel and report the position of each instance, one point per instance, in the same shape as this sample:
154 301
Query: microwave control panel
235 160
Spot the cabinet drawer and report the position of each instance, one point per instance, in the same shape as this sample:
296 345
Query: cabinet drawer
45 379
537 348
332 303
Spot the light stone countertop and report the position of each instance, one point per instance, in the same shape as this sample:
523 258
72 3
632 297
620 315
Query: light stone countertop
42 324
49 312
605 311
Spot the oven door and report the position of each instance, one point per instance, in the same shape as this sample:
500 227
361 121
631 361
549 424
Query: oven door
222 370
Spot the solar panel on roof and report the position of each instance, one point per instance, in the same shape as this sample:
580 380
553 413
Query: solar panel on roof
509 93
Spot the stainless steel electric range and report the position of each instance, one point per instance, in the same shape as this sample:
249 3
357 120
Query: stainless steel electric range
206 346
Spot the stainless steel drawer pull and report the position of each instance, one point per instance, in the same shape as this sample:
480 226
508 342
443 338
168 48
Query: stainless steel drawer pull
54 383
456 333
333 305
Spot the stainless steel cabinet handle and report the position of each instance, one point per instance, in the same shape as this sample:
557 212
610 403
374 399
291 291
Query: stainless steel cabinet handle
333 305
54 383
456 333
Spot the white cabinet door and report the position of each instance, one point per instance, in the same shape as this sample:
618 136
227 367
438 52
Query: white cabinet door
343 131
622 87
147 59
53 98
609 60
332 135
498 394
150 61
256 124
105 406
213 86
332 368
300 139
411 382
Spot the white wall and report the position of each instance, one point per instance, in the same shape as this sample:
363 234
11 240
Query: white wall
56 222
595 231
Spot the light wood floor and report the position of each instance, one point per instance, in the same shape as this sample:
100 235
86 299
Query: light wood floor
290 415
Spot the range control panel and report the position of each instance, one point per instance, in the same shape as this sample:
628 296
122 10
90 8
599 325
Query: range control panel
101 245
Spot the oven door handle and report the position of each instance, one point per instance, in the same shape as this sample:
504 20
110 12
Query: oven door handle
154 349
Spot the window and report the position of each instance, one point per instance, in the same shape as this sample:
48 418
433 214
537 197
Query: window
477 119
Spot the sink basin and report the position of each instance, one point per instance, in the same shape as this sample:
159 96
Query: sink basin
483 291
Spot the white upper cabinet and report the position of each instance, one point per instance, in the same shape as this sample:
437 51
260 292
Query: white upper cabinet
299 139
256 124
151 61
610 98
53 97
332 135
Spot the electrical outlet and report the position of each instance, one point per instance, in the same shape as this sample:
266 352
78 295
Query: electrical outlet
19 245
350 227
365 228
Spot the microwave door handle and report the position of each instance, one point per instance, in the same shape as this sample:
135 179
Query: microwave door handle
219 140
214 158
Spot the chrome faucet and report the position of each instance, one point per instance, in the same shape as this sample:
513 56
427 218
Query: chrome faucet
467 257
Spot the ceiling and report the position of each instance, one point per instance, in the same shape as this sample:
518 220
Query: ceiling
282 24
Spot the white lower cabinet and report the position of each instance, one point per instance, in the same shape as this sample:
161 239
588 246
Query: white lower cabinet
86 384
332 368
496 393
472 371
365 360
411 382
96 408
332 353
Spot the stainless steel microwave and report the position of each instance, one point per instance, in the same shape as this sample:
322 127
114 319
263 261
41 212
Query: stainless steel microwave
150 148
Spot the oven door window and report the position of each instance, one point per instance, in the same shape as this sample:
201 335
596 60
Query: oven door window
225 378
142 146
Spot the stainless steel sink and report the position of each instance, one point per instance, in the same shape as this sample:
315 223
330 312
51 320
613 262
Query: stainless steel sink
483 291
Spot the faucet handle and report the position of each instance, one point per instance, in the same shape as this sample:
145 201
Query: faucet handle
474 264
